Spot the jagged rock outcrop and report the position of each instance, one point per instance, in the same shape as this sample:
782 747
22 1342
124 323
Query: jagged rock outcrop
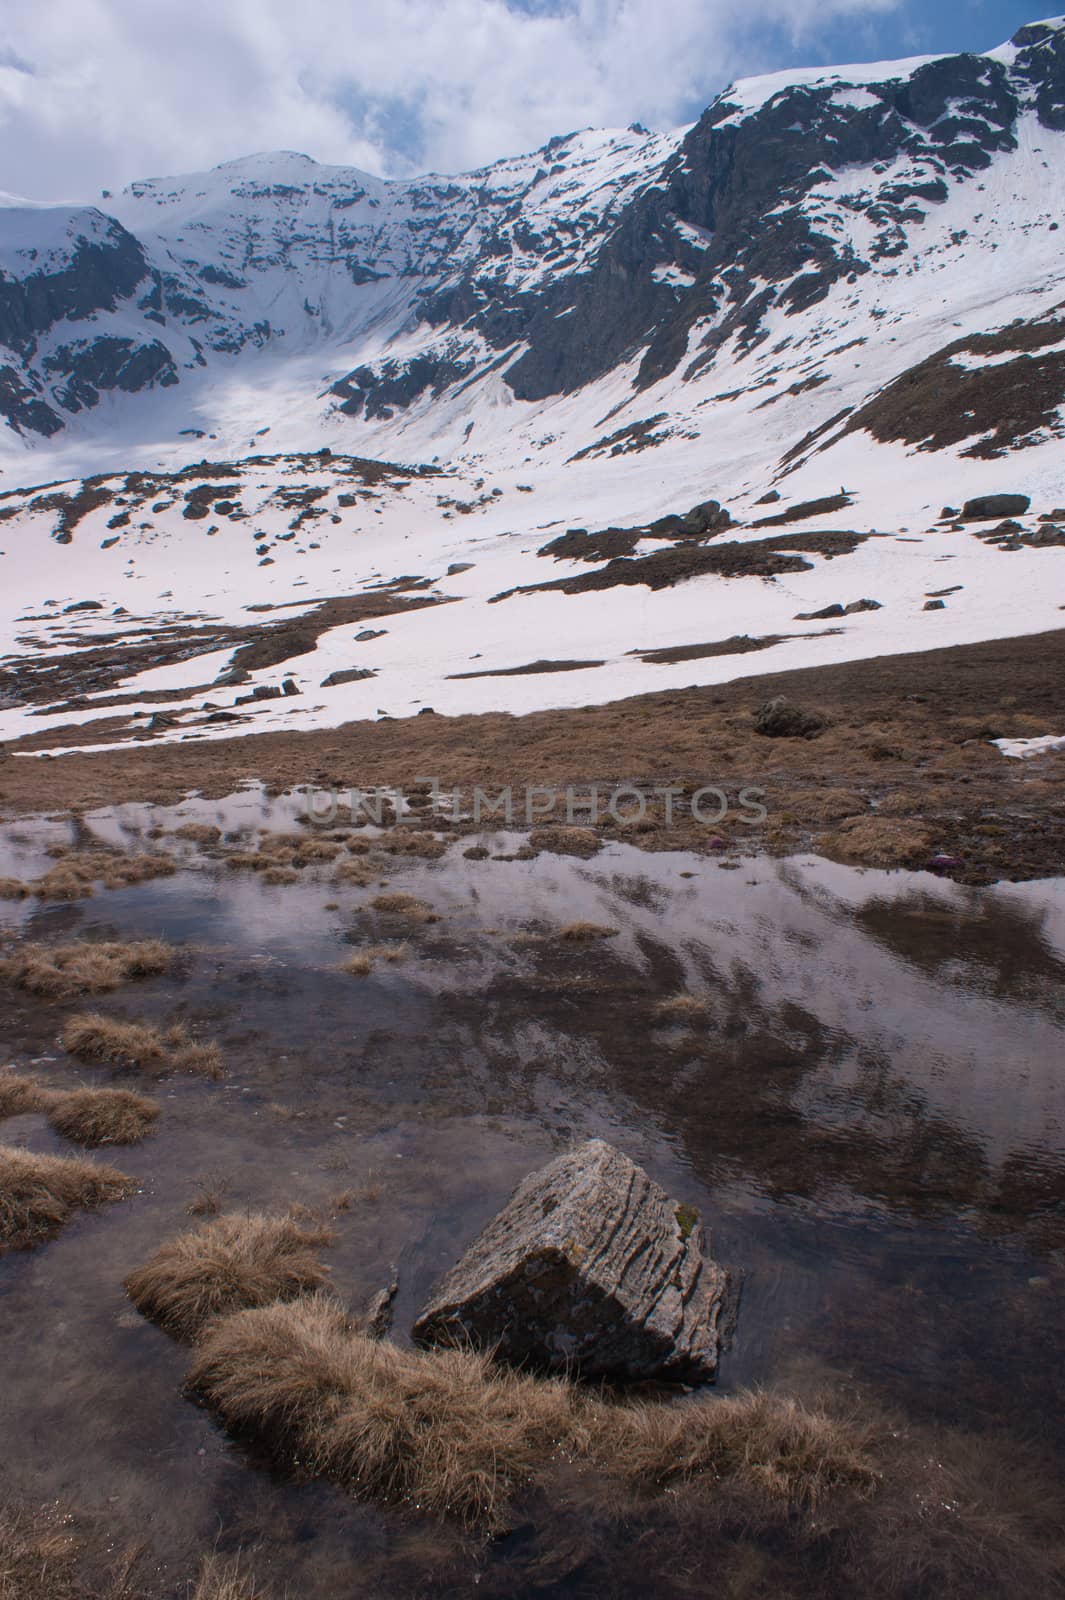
590 1267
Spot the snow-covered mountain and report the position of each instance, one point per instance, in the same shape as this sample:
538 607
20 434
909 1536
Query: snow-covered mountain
851 276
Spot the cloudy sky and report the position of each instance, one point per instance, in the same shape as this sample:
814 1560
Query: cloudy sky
94 93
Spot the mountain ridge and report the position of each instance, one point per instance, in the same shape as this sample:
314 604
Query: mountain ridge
638 238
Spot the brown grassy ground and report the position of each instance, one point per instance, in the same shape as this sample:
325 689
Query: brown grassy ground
39 1193
110 1041
910 732
227 1265
58 972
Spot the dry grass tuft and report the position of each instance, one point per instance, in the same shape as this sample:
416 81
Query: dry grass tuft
228 1265
436 1430
681 1008
198 832
313 850
397 904
771 1445
583 932
276 876
93 1037
566 841
19 1095
95 1117
86 1116
362 963
357 873
223 1578
405 842
39 1193
358 966
14 889
56 972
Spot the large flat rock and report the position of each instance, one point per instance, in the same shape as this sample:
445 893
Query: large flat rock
590 1267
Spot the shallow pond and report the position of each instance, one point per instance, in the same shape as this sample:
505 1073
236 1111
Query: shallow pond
869 1112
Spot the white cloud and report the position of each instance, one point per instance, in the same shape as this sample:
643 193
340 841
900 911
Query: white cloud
97 92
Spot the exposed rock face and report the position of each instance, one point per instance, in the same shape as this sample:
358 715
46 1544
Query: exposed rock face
589 1267
779 719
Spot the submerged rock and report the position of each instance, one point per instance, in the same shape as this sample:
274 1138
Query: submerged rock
590 1267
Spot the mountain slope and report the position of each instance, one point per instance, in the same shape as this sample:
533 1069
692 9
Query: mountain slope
850 277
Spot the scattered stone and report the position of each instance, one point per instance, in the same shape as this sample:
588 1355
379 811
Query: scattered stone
347 675
370 633
290 686
780 719
427 711
769 499
83 605
590 1267
377 1321
839 610
935 605
262 691
986 507
459 566
822 615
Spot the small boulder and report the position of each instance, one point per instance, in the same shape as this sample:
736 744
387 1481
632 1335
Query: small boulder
780 719
590 1267
935 605
347 675
822 615
986 507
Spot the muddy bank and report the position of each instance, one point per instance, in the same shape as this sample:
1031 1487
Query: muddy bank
904 769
